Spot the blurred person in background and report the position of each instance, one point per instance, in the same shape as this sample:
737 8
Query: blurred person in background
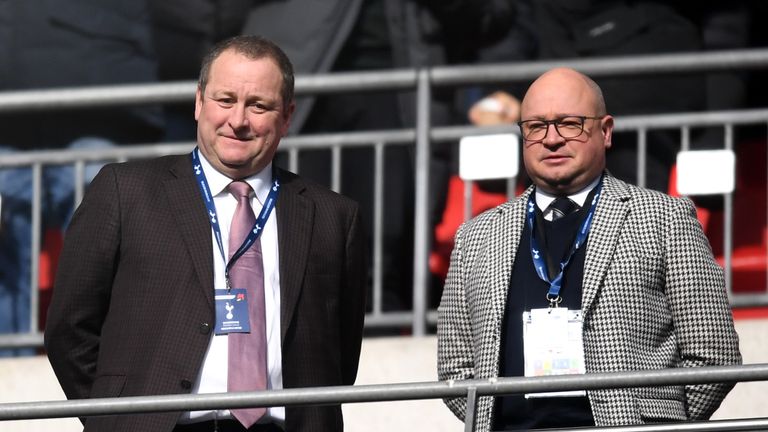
50 45
356 35
562 29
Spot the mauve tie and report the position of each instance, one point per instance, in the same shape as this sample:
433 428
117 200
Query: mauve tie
247 351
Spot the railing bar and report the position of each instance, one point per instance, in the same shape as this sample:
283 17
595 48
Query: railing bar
378 226
336 168
382 392
79 182
468 199
685 138
443 134
293 160
511 186
728 222
421 217
470 419
642 155
183 91
36 218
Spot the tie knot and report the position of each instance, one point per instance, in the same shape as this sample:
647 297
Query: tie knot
240 189
562 206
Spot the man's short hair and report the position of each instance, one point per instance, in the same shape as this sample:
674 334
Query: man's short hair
253 47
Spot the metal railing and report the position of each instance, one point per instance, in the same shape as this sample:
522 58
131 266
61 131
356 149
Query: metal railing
423 136
470 389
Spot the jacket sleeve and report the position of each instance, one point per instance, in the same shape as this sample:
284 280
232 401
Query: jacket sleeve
455 360
701 315
82 289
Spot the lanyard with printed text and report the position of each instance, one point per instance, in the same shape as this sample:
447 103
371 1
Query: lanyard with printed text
258 226
553 295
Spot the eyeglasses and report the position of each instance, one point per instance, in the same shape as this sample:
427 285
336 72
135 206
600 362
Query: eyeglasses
566 127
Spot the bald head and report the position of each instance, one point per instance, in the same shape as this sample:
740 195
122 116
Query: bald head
565 81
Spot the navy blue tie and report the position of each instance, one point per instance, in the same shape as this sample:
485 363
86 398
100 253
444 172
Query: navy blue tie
562 206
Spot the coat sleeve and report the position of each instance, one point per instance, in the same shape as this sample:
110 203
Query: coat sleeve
83 284
701 314
455 360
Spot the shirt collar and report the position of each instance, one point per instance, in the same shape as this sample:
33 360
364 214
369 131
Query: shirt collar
218 182
544 199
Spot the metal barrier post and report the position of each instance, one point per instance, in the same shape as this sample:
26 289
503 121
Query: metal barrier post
728 221
469 417
421 224
34 277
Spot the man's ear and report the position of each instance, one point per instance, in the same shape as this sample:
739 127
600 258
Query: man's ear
606 127
198 102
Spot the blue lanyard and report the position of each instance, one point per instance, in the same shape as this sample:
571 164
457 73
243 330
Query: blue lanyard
258 226
553 295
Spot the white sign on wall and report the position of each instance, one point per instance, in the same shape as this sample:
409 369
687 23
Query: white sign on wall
484 157
706 172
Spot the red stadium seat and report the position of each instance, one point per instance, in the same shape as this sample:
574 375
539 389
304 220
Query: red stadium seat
750 238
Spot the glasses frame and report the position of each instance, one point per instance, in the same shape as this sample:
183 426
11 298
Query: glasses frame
555 122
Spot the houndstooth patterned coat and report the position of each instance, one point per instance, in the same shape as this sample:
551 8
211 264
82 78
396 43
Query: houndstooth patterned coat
653 297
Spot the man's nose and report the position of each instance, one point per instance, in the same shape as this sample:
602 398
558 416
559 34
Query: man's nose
237 117
553 136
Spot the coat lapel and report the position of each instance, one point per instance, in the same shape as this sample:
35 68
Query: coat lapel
295 219
612 210
188 209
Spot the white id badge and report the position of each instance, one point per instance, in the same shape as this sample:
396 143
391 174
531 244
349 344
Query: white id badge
553 345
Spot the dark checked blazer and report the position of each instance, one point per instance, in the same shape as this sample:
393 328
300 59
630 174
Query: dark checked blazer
653 297
132 309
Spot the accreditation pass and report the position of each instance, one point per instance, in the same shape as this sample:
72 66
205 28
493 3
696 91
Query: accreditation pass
553 345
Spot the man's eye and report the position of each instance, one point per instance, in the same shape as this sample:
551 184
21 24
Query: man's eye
537 126
569 123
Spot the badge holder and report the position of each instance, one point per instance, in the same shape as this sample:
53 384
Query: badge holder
232 312
553 345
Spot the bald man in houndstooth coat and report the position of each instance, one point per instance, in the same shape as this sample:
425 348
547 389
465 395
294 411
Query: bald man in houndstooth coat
631 266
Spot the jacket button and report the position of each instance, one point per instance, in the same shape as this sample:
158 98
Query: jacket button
186 384
205 328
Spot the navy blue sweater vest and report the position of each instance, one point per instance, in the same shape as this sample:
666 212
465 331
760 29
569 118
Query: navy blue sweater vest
527 291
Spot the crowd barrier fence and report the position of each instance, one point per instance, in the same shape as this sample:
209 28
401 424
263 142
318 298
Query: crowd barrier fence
470 389
422 136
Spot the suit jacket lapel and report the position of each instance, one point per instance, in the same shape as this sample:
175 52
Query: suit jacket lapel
188 209
612 210
295 219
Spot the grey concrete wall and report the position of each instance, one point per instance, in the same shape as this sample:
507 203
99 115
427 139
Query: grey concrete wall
384 360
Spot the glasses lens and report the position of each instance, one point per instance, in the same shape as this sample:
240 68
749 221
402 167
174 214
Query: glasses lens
534 129
570 127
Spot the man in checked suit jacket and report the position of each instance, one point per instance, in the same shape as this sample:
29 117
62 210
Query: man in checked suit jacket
133 307
650 292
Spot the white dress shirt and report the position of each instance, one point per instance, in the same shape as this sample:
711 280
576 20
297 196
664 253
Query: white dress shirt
544 199
213 374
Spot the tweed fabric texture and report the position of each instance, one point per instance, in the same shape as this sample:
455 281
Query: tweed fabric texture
653 297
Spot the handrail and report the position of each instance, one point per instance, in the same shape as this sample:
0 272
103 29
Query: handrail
183 91
440 134
381 392
419 81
